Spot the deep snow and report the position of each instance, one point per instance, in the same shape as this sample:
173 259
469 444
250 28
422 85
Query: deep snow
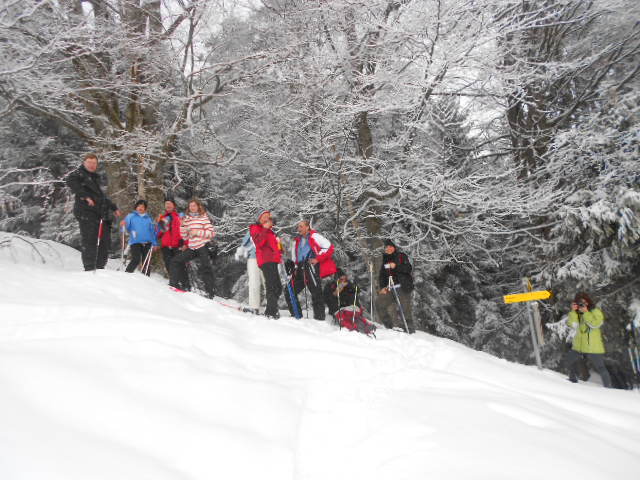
110 375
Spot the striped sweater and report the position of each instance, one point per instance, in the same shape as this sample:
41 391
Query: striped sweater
196 230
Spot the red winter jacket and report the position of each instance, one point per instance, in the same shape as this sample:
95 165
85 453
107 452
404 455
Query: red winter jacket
267 246
171 238
323 249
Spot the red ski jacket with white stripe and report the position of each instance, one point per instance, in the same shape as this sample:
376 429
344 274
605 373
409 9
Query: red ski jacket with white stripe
323 251
267 245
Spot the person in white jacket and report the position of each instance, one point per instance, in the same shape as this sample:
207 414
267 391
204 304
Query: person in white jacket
256 279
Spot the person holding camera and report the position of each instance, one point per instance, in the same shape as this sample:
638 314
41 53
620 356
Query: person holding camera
586 319
396 274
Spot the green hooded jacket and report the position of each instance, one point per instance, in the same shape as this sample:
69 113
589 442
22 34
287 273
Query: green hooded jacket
588 337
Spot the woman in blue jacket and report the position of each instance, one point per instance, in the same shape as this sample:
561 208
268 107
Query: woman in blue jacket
142 235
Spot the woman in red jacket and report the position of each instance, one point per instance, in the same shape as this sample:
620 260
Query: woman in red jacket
169 232
268 255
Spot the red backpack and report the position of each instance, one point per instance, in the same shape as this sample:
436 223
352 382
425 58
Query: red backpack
352 318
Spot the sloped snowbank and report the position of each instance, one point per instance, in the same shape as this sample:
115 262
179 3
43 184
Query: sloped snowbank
113 376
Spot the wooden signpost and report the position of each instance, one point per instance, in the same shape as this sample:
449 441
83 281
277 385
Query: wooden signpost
535 324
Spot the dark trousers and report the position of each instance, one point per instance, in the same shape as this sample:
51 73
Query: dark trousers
178 276
308 276
89 227
273 287
167 255
388 313
595 359
139 253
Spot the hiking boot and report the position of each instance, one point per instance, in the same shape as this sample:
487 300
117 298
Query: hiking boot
573 379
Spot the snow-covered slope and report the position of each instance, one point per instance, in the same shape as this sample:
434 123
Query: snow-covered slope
113 376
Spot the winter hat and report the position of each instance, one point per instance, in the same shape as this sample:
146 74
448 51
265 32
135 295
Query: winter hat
261 214
389 243
141 202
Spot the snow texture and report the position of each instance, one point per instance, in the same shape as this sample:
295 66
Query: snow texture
110 375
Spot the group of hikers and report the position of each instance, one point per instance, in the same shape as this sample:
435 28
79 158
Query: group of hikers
183 238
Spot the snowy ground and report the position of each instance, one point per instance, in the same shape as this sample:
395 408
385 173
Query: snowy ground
114 376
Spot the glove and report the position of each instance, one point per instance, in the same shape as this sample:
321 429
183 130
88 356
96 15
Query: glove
289 267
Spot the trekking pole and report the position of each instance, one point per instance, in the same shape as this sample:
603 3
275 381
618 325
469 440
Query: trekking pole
95 265
392 287
373 317
633 361
146 265
122 244
311 272
306 303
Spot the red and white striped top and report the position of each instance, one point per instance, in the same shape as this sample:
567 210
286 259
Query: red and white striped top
196 230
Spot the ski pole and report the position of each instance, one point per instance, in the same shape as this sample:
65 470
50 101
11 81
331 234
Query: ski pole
373 316
355 298
122 243
633 362
95 265
395 294
306 300
147 261
311 272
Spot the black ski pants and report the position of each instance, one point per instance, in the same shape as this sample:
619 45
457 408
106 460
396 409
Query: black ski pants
89 228
389 313
306 275
168 254
178 276
595 359
273 287
139 253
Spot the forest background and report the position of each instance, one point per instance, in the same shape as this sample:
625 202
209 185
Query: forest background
491 139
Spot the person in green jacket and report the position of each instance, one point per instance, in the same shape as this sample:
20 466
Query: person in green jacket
586 319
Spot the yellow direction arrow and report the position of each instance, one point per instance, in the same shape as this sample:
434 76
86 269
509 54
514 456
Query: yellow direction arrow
527 297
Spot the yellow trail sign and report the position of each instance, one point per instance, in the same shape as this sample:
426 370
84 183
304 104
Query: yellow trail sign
527 297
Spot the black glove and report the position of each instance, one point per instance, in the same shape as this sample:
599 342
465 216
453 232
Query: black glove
289 266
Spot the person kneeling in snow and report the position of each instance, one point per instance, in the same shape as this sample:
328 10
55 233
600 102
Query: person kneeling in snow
340 293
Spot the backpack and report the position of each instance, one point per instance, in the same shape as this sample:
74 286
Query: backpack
352 318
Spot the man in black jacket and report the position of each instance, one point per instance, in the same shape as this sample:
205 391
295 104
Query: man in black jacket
92 206
395 273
